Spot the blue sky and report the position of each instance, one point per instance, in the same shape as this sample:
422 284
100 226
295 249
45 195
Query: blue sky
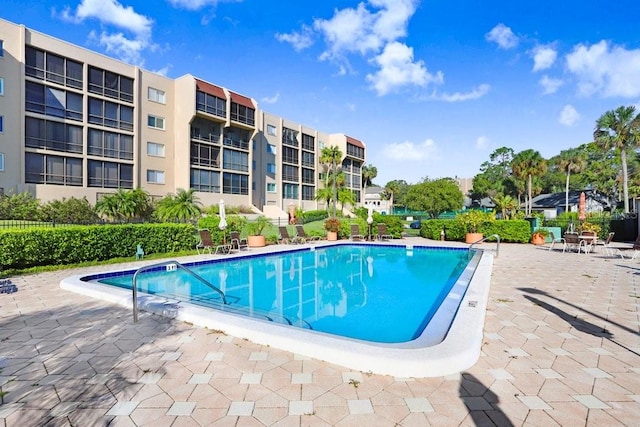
432 87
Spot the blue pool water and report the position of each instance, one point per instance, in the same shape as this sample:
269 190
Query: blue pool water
384 294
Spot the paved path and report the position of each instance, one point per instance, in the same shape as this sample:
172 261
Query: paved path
561 347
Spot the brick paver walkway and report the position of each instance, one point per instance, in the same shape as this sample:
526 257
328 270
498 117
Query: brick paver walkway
561 347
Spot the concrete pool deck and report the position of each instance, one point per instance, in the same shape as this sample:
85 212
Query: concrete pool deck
561 347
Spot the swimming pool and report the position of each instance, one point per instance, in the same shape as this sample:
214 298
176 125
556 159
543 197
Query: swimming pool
319 288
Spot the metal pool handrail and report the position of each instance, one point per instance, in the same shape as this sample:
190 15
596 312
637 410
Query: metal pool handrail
484 240
168 264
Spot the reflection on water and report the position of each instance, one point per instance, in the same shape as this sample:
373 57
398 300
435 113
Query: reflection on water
368 292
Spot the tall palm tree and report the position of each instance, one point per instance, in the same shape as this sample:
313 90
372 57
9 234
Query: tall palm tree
619 130
527 164
569 161
332 156
369 173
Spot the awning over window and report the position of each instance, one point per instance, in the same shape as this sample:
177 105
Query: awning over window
242 100
355 142
210 89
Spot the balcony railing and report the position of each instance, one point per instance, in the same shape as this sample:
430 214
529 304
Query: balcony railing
211 138
236 143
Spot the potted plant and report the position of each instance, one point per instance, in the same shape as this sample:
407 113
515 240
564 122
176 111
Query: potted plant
471 220
539 236
591 228
332 225
255 239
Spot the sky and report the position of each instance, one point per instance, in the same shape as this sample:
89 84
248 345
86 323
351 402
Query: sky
431 87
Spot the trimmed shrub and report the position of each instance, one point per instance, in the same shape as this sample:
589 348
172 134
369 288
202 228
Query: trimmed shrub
311 216
518 231
69 245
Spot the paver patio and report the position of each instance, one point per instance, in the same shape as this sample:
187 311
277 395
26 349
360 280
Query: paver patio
561 347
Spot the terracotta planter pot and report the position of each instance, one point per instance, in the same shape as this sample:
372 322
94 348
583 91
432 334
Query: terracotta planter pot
537 239
473 237
332 235
256 241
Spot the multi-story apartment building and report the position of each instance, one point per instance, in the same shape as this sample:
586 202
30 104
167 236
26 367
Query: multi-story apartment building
75 123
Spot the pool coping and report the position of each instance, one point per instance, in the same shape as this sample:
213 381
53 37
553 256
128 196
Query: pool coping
459 350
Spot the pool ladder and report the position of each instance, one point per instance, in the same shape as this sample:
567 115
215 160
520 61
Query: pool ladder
484 240
169 266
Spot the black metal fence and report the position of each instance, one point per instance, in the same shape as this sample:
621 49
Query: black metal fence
625 229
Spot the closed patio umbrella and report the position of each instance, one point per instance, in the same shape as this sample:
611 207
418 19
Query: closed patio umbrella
223 220
582 207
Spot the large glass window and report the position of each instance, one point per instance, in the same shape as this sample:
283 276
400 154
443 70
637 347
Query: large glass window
48 169
235 160
290 191
50 135
53 68
290 155
233 183
289 137
53 102
110 114
308 142
355 151
211 104
308 159
308 176
110 144
205 155
110 84
110 174
205 181
289 173
242 114
308 192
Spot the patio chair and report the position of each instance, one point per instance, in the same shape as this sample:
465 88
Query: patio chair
555 240
587 241
635 248
382 232
571 242
300 233
606 244
355 232
236 242
286 239
205 243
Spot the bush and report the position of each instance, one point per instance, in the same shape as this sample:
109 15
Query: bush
69 245
509 230
311 216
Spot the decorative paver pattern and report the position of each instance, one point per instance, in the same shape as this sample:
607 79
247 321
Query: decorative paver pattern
561 347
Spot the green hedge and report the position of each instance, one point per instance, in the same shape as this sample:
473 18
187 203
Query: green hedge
69 245
518 231
311 216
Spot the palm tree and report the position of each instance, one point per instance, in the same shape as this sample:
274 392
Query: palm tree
571 160
619 130
331 156
346 196
369 173
183 206
527 164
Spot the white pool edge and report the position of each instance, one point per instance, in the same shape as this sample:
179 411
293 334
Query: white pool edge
458 351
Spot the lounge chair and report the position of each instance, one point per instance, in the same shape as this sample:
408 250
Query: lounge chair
382 232
555 240
205 243
606 244
355 232
635 248
285 238
300 233
236 242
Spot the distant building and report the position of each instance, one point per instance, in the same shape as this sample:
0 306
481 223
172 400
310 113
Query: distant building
373 196
553 204
465 184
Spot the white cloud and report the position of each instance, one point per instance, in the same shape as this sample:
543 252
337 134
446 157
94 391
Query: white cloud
112 13
408 151
300 40
195 4
271 99
550 85
397 69
605 69
502 36
482 143
543 57
475 93
568 116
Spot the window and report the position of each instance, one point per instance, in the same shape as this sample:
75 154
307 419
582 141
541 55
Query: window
271 187
1 162
242 114
110 114
155 177
271 149
290 191
235 160
156 95
1 124
289 173
211 104
355 151
271 168
47 169
1 48
289 137
155 149
110 84
110 174
205 181
1 86
53 68
307 176
308 159
308 142
271 130
289 155
155 122
233 183
308 192
50 135
205 155
110 144
53 102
